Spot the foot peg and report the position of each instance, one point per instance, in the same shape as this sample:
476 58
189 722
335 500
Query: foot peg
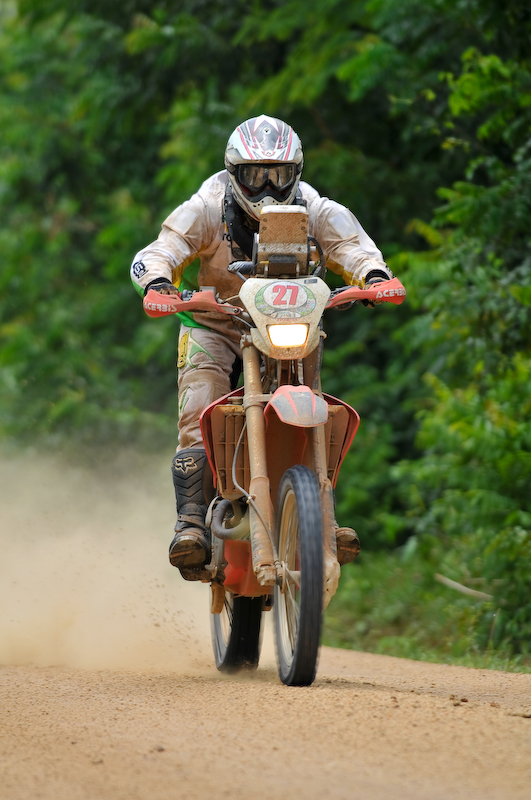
348 545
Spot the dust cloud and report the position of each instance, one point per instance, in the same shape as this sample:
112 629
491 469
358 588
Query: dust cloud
84 576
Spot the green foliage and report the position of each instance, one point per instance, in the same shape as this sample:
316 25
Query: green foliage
389 603
86 107
401 610
469 488
417 116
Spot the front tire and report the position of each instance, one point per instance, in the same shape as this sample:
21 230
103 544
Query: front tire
235 633
298 605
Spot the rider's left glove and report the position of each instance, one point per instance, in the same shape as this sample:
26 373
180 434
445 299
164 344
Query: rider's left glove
372 277
162 286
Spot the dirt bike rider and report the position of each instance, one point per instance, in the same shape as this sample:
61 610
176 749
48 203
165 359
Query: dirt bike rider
263 160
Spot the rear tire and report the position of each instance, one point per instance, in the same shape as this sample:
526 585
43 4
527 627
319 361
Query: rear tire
236 633
298 609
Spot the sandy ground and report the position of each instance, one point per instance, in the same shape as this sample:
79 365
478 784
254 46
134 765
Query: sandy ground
107 688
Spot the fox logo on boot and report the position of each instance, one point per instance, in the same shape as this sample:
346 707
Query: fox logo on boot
185 465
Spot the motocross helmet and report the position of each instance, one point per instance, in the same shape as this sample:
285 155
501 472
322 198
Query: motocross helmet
264 161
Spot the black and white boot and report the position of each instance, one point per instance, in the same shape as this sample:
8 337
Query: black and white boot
192 479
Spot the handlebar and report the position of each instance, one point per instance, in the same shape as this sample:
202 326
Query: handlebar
158 305
245 267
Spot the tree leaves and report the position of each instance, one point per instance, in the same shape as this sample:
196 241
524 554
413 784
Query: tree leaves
415 115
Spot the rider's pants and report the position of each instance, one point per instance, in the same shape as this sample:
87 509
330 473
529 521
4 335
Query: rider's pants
209 366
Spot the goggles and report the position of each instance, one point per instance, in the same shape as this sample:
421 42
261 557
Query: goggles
255 177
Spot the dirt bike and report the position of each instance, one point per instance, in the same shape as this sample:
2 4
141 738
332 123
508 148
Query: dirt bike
275 447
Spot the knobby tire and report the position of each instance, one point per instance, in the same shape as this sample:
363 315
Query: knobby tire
298 611
235 633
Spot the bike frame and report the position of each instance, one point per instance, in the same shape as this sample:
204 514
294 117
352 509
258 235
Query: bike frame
315 430
241 434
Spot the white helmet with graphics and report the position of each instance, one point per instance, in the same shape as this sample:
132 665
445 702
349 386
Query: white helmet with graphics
264 161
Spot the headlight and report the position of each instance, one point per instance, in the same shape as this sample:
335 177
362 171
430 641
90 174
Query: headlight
288 335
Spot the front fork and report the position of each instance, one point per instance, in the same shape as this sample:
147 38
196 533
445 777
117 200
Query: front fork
265 562
260 509
332 570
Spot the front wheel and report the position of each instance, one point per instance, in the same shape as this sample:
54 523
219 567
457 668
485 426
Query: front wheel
236 633
298 605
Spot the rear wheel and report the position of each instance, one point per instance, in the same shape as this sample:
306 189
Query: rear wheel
236 633
298 605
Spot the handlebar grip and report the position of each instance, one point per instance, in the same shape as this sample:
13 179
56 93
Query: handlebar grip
245 267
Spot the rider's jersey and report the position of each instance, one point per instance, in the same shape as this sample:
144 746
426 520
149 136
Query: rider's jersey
196 230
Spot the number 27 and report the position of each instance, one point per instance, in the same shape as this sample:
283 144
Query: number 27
281 291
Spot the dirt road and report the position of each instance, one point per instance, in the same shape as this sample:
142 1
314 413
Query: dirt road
107 689
371 727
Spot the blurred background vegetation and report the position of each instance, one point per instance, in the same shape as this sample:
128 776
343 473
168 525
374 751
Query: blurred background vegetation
416 115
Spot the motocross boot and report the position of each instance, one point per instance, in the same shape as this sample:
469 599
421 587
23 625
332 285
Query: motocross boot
192 479
348 545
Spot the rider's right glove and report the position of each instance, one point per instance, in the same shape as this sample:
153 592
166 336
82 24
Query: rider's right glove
162 286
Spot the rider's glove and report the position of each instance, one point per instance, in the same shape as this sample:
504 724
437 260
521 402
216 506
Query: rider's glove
372 277
375 276
162 286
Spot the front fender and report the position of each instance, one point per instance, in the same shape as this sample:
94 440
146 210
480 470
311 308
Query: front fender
298 406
